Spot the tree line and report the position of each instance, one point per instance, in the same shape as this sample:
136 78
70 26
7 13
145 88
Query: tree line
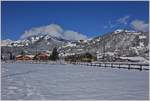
86 57
54 56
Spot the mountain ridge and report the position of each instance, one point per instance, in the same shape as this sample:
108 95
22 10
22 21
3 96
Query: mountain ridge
122 41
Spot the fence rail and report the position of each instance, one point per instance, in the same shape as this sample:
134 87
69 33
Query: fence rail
124 65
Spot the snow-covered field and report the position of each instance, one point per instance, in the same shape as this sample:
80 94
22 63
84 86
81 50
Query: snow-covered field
48 82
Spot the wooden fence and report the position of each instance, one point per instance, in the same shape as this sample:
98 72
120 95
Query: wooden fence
124 65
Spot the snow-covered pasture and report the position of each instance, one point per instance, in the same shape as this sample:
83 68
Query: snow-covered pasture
47 81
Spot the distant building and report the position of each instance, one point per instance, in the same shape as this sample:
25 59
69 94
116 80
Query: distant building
24 57
48 52
42 56
108 54
66 54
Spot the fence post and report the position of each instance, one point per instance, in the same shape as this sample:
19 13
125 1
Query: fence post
119 66
129 67
105 64
140 67
99 64
111 65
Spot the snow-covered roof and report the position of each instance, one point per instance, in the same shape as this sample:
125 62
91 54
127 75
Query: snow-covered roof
31 56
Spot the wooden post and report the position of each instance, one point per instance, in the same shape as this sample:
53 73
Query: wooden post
129 67
99 64
105 64
140 67
111 65
119 66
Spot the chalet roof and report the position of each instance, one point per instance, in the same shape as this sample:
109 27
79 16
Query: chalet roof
31 56
42 54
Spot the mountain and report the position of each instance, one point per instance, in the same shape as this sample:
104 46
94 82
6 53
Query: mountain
121 42
6 42
33 44
54 30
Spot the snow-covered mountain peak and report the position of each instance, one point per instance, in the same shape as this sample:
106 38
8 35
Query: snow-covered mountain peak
127 31
118 31
55 31
6 42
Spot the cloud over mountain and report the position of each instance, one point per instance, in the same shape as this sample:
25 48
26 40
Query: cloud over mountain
139 25
53 30
120 21
128 22
72 35
123 20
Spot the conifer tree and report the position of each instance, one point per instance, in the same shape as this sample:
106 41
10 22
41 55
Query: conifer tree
54 55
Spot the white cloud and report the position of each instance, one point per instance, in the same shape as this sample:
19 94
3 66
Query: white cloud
140 25
123 20
74 35
111 25
53 30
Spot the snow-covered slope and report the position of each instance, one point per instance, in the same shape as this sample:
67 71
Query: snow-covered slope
44 40
25 81
6 42
121 41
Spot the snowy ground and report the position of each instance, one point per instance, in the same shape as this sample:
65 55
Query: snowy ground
48 82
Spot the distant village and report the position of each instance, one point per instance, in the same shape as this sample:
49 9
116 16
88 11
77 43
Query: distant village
72 57
108 48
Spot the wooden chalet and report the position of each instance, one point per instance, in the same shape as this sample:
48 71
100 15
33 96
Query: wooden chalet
24 57
42 56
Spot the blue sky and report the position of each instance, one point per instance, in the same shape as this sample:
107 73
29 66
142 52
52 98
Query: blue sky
89 18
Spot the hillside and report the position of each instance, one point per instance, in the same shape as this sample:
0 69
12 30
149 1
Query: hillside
120 42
